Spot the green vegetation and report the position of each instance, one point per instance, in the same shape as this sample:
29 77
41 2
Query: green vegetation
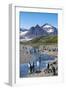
42 40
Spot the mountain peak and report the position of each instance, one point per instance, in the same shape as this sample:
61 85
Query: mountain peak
47 25
37 26
32 27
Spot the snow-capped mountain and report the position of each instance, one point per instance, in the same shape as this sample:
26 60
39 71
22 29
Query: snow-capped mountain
23 37
47 25
37 31
49 29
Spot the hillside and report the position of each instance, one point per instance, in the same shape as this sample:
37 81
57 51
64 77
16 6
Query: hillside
42 40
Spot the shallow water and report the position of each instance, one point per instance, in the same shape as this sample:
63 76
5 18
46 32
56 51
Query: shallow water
43 60
24 68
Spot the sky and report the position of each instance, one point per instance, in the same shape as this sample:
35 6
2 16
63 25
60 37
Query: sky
29 19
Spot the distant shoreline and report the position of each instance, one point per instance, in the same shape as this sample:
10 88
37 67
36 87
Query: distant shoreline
25 57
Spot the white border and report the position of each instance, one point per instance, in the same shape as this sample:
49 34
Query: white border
58 78
15 49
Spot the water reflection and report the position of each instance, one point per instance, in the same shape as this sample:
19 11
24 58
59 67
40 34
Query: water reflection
37 62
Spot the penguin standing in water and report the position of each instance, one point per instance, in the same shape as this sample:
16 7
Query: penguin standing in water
38 66
31 67
54 71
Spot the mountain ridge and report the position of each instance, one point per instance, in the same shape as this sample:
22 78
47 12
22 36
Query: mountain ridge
38 31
